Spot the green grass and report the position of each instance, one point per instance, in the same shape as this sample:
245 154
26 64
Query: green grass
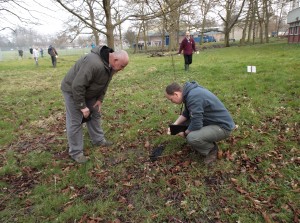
256 178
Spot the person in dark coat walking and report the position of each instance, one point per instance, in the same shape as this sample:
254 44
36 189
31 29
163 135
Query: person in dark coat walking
84 88
188 47
20 53
53 53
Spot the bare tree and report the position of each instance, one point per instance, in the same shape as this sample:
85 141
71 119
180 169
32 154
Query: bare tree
12 12
130 37
205 8
267 5
232 12
170 12
279 18
97 16
246 23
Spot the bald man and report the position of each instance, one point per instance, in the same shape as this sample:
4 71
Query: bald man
84 88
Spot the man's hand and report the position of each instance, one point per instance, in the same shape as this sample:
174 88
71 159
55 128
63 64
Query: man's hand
85 111
169 131
181 134
184 134
98 104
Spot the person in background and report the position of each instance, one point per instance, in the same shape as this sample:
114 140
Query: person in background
20 53
35 54
209 120
188 47
53 53
42 52
84 88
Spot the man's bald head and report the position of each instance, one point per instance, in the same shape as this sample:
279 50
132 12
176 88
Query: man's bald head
118 60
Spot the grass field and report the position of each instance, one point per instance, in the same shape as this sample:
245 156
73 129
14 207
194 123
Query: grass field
256 178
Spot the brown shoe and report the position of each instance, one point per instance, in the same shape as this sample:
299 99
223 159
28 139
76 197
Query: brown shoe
212 155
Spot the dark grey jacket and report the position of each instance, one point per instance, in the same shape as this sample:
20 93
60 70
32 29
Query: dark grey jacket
203 108
89 77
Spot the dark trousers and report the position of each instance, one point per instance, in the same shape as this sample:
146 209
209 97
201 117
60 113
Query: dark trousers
188 59
53 58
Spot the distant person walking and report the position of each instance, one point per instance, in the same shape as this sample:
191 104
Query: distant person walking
20 53
53 53
42 52
35 53
188 47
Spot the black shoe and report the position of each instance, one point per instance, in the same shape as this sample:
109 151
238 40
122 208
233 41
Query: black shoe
212 155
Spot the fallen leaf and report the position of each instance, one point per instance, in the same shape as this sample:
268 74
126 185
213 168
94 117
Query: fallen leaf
147 144
266 217
233 180
127 184
130 206
197 183
116 221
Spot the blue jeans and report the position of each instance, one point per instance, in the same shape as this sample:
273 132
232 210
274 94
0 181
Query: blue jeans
203 140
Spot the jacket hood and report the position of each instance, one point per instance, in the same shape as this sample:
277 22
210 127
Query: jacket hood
188 86
97 50
103 53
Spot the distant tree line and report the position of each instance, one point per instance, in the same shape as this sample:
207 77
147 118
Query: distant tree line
22 38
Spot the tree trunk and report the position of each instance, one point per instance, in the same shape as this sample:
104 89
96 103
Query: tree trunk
226 38
120 33
253 20
279 19
163 37
109 26
243 39
137 38
92 17
260 21
173 30
202 29
145 36
231 18
267 18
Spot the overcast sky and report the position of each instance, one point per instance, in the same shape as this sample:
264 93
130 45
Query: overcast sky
50 16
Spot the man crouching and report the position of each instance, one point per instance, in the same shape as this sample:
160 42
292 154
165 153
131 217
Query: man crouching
209 120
